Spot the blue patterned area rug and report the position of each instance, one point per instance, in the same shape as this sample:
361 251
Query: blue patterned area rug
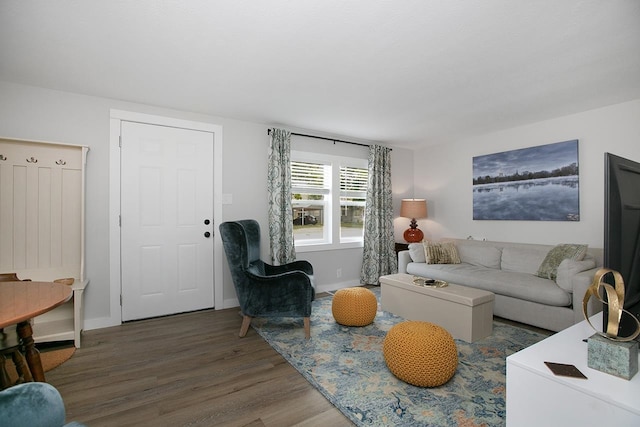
347 366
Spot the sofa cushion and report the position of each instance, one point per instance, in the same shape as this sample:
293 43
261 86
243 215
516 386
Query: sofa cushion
484 256
549 266
523 259
416 252
440 253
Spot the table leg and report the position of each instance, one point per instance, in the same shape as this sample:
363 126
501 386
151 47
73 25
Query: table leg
31 352
21 367
5 382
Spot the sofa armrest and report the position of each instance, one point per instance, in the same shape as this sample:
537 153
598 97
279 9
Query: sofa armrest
404 258
581 283
567 270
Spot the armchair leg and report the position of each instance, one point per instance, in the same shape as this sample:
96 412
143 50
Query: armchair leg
307 327
246 322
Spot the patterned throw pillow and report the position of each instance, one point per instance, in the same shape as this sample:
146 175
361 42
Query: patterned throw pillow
441 253
549 267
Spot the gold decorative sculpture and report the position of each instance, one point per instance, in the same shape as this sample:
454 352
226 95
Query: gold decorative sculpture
615 301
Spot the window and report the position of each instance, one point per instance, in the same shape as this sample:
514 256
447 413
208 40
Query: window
353 194
310 185
328 200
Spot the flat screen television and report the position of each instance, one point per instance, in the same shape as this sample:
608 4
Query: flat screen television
622 232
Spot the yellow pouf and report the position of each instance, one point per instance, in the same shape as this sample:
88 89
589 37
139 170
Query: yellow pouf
420 353
354 306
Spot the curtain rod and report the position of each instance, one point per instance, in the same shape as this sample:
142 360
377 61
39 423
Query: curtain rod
326 139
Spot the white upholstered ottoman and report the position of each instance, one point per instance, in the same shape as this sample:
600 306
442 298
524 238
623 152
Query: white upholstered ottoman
467 313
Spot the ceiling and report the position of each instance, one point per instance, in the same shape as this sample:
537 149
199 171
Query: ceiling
408 73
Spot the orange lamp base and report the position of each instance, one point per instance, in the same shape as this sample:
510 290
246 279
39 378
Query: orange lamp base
413 235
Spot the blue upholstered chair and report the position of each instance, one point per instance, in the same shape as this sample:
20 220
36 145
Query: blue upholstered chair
265 290
32 405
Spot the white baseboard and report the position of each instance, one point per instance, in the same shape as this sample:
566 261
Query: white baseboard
99 323
106 322
229 303
332 287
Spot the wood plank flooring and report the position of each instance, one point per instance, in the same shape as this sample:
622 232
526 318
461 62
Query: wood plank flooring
187 370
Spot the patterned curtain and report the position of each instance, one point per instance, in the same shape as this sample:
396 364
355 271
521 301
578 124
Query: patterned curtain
379 256
279 190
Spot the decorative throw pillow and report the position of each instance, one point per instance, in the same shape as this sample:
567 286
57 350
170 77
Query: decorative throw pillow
549 267
416 252
441 253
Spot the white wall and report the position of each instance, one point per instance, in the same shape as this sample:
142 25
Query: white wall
28 112
443 175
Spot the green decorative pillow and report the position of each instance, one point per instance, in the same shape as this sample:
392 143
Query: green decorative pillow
549 267
441 253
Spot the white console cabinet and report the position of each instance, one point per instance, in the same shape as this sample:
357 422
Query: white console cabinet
64 323
537 397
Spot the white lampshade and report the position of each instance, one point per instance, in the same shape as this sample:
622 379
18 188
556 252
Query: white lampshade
413 208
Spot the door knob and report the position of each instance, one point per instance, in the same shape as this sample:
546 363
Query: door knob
207 222
207 234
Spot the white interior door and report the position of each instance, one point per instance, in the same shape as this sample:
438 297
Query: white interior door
166 220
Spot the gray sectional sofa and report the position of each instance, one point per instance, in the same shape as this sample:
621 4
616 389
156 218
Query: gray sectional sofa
509 270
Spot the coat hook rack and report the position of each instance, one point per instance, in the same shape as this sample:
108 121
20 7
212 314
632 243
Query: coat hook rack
32 160
61 162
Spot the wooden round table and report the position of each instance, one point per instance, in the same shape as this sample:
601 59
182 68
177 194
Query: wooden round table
22 301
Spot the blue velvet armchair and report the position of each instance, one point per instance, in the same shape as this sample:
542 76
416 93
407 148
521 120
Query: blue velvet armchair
265 290
33 405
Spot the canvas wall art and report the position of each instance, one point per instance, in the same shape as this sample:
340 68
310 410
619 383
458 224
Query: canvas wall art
537 184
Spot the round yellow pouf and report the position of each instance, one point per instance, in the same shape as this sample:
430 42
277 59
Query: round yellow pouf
420 353
354 306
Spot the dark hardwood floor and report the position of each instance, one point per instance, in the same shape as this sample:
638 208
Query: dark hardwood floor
187 370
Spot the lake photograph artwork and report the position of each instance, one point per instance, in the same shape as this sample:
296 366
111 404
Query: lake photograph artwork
535 184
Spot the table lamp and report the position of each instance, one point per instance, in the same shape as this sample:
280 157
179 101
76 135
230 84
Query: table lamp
413 208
